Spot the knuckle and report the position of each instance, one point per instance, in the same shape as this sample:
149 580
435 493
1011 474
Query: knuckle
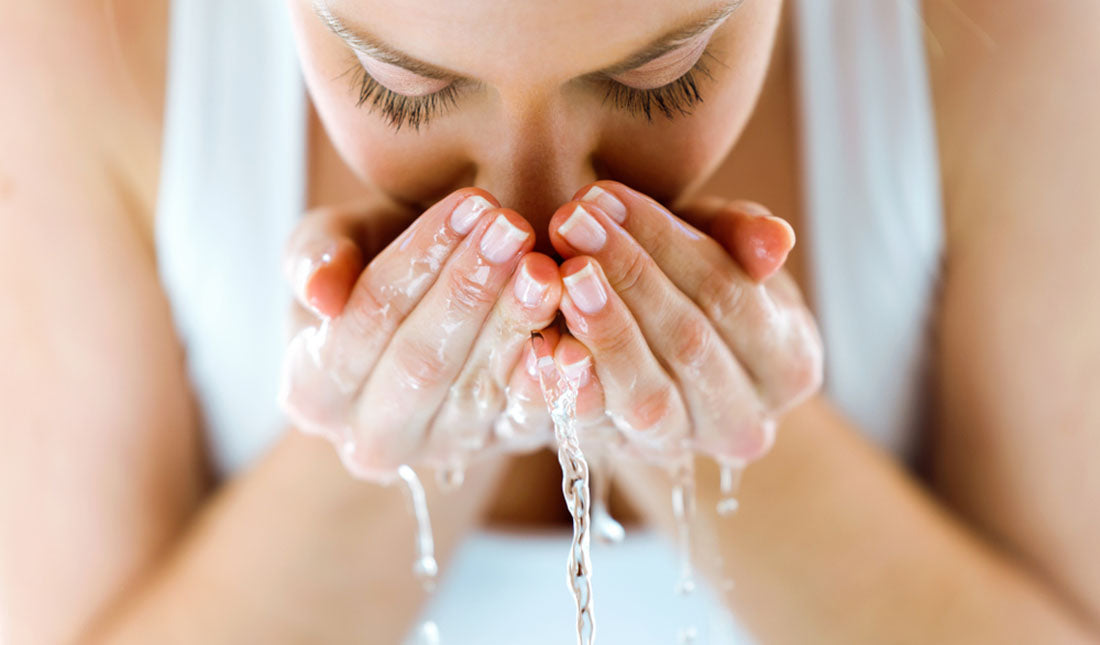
469 291
632 272
616 336
721 297
418 366
650 412
476 391
370 308
694 343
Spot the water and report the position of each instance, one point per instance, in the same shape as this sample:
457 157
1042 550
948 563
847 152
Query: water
425 568
683 512
428 634
729 482
561 397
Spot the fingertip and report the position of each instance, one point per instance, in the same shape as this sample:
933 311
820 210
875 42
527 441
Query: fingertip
758 240
327 288
537 282
544 342
575 264
574 360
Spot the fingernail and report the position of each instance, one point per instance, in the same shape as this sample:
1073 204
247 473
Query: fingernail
785 224
582 231
577 373
528 290
502 240
608 202
465 215
531 362
585 289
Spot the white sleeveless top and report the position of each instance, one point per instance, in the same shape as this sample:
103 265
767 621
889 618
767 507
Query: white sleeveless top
233 185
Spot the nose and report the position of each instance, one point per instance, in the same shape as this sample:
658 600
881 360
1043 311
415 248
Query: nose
537 158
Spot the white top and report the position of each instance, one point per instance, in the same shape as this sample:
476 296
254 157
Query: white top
233 185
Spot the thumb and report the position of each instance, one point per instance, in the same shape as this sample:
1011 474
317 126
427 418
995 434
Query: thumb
759 241
322 259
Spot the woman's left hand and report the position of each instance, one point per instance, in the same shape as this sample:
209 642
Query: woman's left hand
683 340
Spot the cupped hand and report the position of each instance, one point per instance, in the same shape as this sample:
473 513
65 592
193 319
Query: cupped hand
681 340
418 357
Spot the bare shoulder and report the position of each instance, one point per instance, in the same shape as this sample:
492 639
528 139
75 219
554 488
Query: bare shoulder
89 76
1017 419
1014 86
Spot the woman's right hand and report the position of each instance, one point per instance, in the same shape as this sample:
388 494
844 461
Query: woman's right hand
419 358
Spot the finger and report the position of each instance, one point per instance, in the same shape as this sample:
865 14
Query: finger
392 284
576 364
324 364
529 302
525 422
768 329
322 258
727 415
426 353
759 241
640 397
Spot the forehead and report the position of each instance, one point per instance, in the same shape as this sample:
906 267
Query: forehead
517 41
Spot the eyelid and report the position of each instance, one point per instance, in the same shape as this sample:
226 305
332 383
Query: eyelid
667 67
399 80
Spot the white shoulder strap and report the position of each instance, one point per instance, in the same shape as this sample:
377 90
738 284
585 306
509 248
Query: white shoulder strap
873 203
231 186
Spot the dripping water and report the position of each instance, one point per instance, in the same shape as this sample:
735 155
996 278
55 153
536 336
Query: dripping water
561 398
425 568
729 482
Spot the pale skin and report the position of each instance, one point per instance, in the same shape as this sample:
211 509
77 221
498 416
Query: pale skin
127 540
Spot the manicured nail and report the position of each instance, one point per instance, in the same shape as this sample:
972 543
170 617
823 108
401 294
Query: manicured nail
608 202
577 373
501 241
582 231
528 290
465 215
585 289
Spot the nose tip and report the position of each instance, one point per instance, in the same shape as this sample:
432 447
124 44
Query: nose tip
537 197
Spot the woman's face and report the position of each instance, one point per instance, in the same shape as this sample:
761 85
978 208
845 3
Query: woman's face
532 99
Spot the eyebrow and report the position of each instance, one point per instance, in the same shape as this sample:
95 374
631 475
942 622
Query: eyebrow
366 44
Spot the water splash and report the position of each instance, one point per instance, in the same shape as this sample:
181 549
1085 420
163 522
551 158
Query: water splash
561 398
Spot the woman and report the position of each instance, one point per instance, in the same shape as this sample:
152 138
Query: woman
126 521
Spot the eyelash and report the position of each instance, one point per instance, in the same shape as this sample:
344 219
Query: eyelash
678 97
397 109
